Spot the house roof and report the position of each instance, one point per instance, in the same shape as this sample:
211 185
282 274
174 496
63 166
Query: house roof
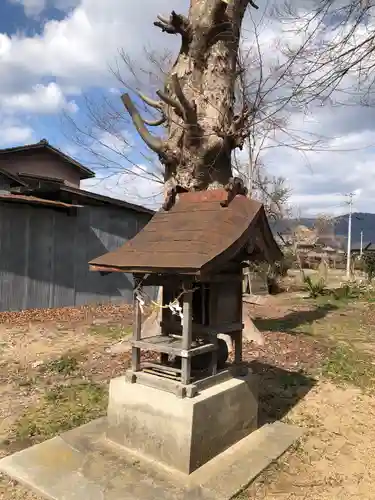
197 235
50 187
85 172
329 249
12 177
34 200
38 177
329 241
83 195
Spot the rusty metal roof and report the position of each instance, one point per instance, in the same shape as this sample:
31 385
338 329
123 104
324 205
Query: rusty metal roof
49 186
33 200
89 195
196 235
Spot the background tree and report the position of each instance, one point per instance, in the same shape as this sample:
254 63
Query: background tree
264 83
337 63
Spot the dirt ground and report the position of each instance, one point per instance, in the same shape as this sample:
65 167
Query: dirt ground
317 372
54 370
335 459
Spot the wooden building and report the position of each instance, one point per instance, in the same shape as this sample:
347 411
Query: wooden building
50 229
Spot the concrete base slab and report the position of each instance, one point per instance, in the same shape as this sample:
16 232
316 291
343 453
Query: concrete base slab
82 464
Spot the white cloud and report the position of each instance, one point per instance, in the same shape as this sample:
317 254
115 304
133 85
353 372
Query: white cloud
44 99
131 188
15 134
320 179
118 143
343 162
78 51
81 46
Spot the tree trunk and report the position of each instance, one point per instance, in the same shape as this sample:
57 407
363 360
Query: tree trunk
197 102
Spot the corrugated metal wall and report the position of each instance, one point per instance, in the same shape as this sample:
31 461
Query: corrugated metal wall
44 255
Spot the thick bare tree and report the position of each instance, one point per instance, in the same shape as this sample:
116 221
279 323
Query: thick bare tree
195 147
197 103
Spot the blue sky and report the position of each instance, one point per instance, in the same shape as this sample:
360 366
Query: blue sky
61 94
56 54
14 22
13 19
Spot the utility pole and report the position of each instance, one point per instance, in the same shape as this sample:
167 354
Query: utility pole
348 256
361 248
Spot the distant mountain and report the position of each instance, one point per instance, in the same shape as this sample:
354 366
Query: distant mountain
360 222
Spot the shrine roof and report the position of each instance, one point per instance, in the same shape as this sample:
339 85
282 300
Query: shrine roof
197 235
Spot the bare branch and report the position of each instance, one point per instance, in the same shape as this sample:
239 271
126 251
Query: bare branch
176 24
250 2
165 27
162 19
154 143
176 105
151 102
155 123
189 108
343 64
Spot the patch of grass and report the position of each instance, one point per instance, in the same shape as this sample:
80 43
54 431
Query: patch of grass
114 332
349 365
316 288
61 409
338 301
65 365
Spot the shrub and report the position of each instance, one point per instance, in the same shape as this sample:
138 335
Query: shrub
368 259
315 288
349 290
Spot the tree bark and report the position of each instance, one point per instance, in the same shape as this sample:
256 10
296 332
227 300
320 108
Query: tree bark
197 102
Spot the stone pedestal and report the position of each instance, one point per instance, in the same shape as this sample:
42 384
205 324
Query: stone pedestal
156 445
185 433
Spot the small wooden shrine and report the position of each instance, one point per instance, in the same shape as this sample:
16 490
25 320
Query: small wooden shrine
195 252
